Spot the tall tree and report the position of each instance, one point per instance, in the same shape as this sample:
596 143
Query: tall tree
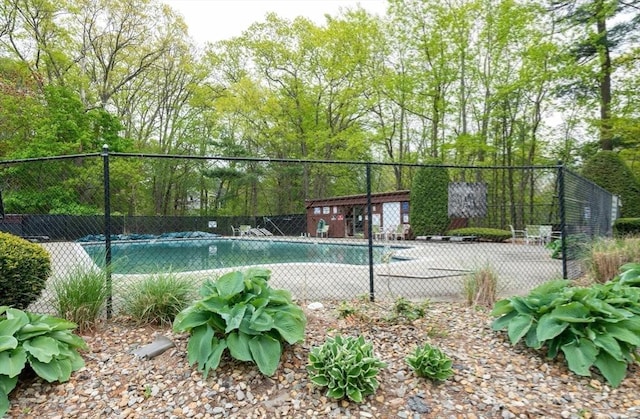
606 26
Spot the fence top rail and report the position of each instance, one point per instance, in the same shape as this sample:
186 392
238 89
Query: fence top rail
105 153
47 158
312 161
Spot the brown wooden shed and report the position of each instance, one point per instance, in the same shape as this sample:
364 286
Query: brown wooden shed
346 216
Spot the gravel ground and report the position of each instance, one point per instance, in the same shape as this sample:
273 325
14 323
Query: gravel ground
492 378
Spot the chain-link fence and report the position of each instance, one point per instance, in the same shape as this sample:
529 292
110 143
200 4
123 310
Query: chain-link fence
326 230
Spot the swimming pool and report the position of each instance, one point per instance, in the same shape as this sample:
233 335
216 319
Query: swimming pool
143 257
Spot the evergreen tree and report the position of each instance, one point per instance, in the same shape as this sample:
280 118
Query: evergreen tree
609 171
429 200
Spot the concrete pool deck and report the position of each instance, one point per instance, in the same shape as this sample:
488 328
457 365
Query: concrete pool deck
421 269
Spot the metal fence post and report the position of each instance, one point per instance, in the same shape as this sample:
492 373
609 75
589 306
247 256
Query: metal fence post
369 234
563 219
107 230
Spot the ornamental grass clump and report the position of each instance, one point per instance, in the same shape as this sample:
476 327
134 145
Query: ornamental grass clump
346 366
481 287
240 312
430 362
607 255
158 299
80 297
596 327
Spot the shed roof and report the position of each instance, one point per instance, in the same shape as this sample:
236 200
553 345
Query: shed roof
361 199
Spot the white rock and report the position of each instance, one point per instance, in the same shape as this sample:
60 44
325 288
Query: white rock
315 306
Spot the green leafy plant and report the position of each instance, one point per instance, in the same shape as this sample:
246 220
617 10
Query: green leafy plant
43 342
630 274
594 327
346 309
430 362
481 287
158 298
241 312
80 297
576 247
624 227
346 366
404 309
24 270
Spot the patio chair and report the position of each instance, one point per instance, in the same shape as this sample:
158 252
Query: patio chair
400 232
532 234
377 232
322 230
545 233
516 234
244 229
235 231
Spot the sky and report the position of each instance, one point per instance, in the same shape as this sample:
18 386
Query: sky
216 20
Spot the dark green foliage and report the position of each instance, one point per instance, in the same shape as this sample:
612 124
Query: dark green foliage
483 234
429 200
24 269
609 171
626 227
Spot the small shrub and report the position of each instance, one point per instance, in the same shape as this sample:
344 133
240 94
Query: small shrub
80 297
158 299
481 287
346 366
24 269
45 343
576 246
404 309
240 311
483 234
346 309
624 227
430 362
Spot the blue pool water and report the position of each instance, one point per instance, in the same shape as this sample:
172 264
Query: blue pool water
142 257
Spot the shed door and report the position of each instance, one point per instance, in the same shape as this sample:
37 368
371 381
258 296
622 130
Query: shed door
390 215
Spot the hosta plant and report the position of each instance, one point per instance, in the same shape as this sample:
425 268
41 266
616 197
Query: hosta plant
595 327
430 362
240 312
346 366
43 342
